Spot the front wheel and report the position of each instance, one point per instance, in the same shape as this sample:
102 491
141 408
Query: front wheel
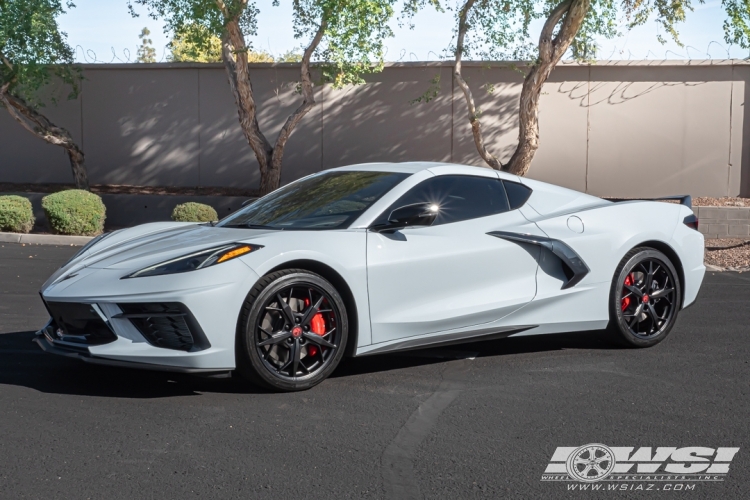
645 298
292 331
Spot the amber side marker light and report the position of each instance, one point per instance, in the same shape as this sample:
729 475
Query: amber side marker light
236 252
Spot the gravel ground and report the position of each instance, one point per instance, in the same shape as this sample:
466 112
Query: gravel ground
703 201
729 253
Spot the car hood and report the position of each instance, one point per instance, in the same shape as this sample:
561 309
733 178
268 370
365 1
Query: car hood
142 246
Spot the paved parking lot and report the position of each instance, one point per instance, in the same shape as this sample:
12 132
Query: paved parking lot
477 420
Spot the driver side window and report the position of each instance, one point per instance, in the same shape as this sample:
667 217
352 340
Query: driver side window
460 197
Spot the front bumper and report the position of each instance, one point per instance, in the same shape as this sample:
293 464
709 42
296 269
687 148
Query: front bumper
48 345
209 301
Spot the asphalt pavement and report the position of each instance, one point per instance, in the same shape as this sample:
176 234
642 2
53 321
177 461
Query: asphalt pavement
477 420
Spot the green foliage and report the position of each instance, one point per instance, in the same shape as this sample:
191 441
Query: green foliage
737 24
290 56
352 44
184 47
146 51
16 214
194 212
259 56
431 93
75 212
499 29
199 22
31 41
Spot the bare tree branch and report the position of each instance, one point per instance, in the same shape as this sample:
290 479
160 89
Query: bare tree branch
551 50
476 126
234 54
6 61
308 103
44 129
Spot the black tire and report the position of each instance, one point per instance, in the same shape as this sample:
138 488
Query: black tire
645 298
271 349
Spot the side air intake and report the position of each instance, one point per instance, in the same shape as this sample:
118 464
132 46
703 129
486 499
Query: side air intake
168 325
574 267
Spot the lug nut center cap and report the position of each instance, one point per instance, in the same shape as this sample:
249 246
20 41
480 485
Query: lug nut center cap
296 332
645 299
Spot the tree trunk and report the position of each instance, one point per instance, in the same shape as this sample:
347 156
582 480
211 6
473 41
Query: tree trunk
234 55
551 50
78 166
40 126
476 125
570 14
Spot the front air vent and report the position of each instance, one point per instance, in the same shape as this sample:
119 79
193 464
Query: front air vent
168 325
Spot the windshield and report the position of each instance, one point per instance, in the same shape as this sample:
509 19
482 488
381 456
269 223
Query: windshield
329 200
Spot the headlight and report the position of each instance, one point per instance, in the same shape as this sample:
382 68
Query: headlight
195 261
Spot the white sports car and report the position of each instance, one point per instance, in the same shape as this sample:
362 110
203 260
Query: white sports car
369 259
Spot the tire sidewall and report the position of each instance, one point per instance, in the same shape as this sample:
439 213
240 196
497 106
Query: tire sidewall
247 331
616 310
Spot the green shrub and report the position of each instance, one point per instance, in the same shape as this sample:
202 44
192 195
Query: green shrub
194 212
75 212
16 215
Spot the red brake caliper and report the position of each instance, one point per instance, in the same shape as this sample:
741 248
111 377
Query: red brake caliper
626 300
318 327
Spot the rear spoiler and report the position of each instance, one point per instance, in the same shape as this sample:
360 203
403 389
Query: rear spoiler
684 199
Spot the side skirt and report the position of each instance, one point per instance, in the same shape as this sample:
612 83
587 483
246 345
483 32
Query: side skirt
438 340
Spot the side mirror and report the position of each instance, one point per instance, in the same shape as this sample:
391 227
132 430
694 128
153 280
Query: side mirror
418 214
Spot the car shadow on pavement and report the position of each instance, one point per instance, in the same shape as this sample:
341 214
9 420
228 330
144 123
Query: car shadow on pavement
591 340
23 364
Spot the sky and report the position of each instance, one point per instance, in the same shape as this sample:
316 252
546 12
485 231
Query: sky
104 31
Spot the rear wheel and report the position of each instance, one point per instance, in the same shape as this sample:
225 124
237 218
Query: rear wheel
292 331
645 298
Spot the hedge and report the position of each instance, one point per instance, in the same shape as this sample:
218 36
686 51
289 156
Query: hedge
194 212
16 214
75 212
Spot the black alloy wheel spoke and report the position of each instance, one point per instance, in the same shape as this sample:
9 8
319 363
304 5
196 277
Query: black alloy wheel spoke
636 315
275 339
634 290
317 339
294 353
312 311
650 275
654 293
286 308
284 338
663 293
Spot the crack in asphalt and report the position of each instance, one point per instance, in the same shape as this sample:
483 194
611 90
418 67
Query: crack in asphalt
399 480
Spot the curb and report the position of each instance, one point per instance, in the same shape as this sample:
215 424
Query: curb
45 239
718 269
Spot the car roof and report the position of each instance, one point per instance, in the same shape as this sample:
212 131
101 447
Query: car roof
412 167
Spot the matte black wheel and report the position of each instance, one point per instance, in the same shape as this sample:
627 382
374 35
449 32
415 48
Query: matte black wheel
293 331
645 298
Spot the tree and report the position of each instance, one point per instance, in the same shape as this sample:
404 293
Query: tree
183 49
500 30
33 51
146 50
290 56
344 35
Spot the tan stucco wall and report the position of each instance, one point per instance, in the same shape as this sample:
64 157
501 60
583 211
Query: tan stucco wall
623 128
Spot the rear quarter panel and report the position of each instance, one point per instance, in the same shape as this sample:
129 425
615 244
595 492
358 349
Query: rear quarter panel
610 231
